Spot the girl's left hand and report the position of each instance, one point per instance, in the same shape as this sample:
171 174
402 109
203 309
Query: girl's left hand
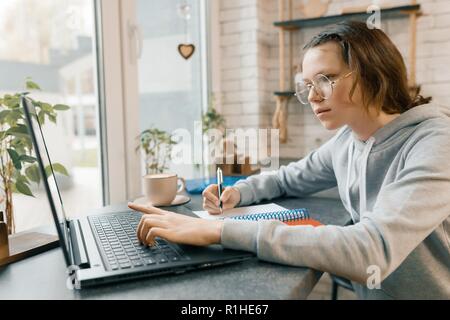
175 227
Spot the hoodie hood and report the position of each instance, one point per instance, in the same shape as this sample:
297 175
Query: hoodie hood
412 117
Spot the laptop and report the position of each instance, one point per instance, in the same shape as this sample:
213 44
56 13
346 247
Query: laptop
103 248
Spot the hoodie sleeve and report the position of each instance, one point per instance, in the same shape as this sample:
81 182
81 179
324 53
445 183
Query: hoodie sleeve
309 175
405 213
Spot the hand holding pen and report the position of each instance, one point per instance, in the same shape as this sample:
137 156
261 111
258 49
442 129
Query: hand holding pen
220 188
214 203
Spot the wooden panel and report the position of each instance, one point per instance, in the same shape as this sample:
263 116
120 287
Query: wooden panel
26 244
393 12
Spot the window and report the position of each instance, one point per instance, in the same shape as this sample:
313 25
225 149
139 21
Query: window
171 89
53 42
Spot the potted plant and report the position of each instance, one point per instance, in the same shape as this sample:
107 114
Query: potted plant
212 119
157 146
18 166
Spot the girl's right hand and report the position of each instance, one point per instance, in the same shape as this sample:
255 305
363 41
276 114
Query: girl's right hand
230 198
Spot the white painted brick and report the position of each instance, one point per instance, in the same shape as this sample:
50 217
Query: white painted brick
248 13
248 36
249 84
443 76
435 89
426 22
434 35
266 108
248 72
433 63
230 28
239 73
243 120
442 21
230 39
436 7
441 49
229 86
232 97
239 26
264 121
424 50
230 15
443 100
425 76
249 96
251 108
232 109
232 62
227 4
241 49
250 60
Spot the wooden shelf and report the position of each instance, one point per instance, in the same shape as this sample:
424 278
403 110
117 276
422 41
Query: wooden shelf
284 93
393 12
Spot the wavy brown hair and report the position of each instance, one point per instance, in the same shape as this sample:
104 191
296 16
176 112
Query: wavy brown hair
378 66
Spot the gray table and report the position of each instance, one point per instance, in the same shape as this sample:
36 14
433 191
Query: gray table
43 276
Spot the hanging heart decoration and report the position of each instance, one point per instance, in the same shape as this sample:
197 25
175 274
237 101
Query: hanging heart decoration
186 50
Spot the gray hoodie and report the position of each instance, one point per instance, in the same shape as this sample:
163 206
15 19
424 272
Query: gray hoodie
396 188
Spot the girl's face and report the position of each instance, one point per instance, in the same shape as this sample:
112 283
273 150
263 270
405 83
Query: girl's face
337 110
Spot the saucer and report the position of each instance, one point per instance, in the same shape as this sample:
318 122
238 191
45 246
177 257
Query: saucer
179 200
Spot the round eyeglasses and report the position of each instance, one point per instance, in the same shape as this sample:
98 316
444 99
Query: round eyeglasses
322 85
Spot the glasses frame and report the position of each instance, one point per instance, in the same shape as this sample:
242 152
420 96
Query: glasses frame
313 85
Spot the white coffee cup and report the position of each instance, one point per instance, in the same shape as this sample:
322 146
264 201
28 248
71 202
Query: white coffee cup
161 189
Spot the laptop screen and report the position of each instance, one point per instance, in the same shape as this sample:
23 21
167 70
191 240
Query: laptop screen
46 169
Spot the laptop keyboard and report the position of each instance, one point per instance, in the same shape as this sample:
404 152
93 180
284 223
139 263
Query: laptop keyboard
116 237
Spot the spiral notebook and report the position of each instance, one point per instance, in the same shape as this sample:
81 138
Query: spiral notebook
265 212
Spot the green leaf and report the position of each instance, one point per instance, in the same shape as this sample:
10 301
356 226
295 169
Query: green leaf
13 117
27 158
20 131
32 172
21 178
60 168
4 114
46 107
15 158
11 101
61 107
57 167
41 117
32 85
52 118
21 145
23 188
48 171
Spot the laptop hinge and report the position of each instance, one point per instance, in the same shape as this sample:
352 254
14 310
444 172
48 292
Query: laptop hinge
80 257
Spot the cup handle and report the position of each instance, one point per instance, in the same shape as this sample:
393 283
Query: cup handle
182 186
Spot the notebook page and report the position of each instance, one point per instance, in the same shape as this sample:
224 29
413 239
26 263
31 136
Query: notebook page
261 208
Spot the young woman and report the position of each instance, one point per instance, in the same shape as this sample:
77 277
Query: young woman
389 160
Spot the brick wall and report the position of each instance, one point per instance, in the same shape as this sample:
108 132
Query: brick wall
249 63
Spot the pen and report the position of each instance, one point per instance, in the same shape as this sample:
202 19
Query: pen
220 187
